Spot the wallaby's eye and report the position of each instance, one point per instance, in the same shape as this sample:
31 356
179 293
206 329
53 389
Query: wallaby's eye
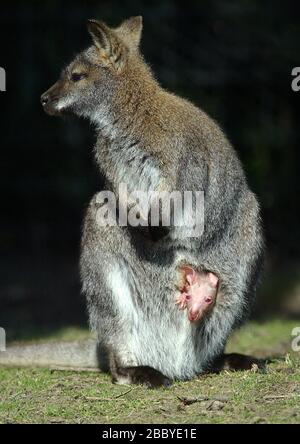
76 76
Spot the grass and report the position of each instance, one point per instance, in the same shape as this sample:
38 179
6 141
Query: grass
44 396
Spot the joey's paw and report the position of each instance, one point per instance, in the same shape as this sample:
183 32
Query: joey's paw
182 300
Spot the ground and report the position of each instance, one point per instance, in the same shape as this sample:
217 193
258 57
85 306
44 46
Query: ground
48 396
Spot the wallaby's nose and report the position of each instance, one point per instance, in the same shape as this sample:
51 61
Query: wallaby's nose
49 100
44 99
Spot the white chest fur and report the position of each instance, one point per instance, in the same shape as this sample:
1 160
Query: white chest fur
134 167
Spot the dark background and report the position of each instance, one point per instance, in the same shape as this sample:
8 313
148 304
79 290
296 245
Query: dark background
234 59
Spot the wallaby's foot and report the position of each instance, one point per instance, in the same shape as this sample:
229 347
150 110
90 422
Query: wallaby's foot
136 374
198 292
141 375
236 361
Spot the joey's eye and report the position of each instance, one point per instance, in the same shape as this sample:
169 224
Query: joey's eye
76 76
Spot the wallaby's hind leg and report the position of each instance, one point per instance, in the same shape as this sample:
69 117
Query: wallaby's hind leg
114 281
136 375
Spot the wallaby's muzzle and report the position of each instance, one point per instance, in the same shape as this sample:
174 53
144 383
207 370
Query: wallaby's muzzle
50 98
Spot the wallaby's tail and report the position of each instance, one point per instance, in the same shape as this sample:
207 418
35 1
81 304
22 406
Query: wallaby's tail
76 355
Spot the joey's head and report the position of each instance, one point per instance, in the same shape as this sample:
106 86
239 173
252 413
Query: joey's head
98 76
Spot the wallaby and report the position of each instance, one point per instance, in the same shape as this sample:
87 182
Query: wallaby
135 279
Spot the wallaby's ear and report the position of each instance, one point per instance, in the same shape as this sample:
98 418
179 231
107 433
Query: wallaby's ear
131 31
106 40
100 34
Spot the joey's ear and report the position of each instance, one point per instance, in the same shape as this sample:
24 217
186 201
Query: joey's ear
131 31
106 40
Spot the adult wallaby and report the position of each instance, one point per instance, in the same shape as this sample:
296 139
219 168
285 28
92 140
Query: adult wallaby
152 140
